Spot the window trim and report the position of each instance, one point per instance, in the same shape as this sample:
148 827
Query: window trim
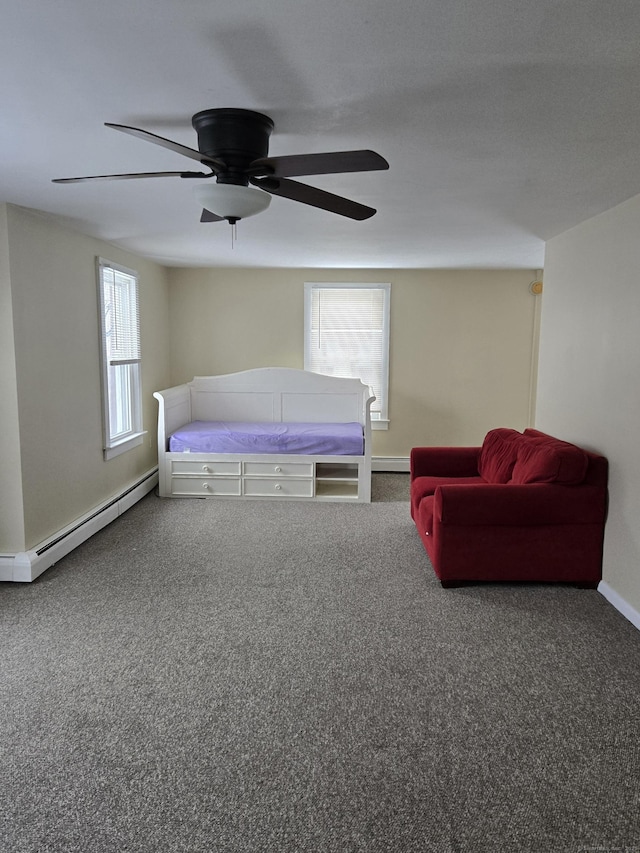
379 421
116 445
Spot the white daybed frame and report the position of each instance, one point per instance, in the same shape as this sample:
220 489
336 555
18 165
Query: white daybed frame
276 395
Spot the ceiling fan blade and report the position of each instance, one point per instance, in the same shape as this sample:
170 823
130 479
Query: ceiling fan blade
130 175
318 164
216 165
207 216
313 196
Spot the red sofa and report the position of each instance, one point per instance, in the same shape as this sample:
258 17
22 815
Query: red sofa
523 507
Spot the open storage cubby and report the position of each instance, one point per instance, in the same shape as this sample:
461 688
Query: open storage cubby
337 479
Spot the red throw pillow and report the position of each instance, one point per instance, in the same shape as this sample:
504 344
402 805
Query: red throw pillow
498 455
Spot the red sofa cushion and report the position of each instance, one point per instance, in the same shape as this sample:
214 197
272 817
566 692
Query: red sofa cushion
422 487
543 459
498 455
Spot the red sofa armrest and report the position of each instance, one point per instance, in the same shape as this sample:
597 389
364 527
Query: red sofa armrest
444 461
514 505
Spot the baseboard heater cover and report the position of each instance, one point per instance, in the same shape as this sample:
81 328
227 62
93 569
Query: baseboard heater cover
390 463
26 566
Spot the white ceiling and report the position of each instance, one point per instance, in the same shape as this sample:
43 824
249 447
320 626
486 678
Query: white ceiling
504 122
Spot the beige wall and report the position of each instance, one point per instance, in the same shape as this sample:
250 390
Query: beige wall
55 315
588 384
11 515
462 354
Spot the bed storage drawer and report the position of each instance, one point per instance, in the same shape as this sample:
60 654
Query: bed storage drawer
275 487
204 469
278 469
201 486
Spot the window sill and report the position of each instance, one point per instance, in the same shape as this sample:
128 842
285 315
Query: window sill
380 423
127 443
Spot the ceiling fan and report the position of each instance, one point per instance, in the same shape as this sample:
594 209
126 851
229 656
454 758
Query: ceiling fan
234 145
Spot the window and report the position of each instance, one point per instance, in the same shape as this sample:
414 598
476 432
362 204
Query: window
120 348
346 333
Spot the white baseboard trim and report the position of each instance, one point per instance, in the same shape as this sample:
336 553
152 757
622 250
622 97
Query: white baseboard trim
620 604
26 566
390 463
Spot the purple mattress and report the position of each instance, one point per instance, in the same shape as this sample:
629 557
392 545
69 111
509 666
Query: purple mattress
235 437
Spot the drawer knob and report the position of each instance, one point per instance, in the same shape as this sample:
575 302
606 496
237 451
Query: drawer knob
278 469
278 487
205 485
206 468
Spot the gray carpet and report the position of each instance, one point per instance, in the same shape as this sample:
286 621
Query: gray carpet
207 676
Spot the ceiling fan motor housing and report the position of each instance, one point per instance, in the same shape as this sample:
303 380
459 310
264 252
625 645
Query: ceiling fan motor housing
237 137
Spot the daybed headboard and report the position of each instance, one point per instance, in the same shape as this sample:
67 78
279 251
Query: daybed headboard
268 394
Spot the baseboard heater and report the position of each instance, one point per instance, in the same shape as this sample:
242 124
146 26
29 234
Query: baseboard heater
390 463
26 566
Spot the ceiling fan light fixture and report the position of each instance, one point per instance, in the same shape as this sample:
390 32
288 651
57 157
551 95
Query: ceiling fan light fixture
232 201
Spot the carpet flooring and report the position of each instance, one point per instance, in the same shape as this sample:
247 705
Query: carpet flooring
225 677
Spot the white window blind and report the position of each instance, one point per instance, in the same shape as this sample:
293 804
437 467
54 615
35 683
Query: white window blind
347 334
122 321
121 357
